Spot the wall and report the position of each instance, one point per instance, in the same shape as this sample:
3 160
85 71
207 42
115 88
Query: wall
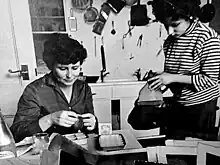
215 23
121 63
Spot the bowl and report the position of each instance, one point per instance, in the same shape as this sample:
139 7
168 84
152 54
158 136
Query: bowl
91 79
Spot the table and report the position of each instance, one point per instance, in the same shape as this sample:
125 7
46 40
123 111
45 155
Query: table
26 159
132 151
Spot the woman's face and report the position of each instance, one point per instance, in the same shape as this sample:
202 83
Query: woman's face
178 27
66 74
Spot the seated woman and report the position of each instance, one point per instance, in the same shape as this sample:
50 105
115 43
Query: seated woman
55 102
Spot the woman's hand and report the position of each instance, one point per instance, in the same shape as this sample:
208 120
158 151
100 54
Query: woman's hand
156 82
64 118
89 121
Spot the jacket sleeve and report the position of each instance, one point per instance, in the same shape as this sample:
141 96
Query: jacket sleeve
210 65
89 106
28 113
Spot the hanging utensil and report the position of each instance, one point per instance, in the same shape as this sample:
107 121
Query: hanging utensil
103 74
207 12
116 5
72 21
123 42
138 15
113 31
103 55
81 4
90 14
130 28
139 42
130 2
95 45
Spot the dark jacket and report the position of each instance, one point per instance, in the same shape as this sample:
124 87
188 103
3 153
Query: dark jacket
42 97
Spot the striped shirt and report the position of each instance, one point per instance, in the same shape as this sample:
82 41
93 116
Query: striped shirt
195 53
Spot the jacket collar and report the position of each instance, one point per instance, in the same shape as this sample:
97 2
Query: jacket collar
50 80
191 27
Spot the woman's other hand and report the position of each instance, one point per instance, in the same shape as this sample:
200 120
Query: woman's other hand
64 118
156 82
89 121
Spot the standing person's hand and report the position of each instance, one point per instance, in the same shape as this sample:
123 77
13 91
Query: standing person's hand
89 121
156 82
64 118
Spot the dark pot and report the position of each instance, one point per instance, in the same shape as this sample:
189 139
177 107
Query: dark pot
90 15
207 12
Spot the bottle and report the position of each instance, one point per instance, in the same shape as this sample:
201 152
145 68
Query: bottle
7 142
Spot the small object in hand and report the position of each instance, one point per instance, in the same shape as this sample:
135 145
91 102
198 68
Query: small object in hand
149 75
79 123
41 141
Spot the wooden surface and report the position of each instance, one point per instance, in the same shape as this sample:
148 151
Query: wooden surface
132 145
203 150
132 150
26 159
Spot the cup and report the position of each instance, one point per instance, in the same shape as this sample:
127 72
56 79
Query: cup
41 141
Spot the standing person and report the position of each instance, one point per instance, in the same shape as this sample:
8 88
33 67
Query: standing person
57 101
191 70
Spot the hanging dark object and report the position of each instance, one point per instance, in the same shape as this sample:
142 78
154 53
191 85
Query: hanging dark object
116 5
102 18
138 15
103 56
90 15
130 2
207 12
81 4
103 71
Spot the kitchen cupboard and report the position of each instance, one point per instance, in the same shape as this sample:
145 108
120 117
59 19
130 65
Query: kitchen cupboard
47 17
104 94
114 100
102 102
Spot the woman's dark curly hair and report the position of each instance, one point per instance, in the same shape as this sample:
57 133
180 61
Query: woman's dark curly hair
175 9
62 49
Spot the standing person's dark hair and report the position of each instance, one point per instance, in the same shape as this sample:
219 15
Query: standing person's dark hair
176 9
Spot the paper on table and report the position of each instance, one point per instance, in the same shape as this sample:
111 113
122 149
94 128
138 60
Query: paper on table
25 141
21 150
78 138
24 146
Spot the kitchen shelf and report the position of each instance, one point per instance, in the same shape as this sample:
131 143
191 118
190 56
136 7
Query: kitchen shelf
49 32
47 17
